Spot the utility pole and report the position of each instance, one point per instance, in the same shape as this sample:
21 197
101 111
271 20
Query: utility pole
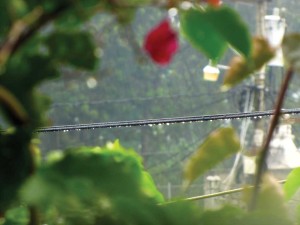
259 82
259 101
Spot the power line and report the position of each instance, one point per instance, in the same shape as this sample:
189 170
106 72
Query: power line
126 100
165 121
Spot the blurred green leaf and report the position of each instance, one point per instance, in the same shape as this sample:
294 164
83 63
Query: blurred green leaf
92 179
227 215
182 213
291 50
35 69
201 33
208 31
65 47
238 36
292 183
16 216
219 145
16 164
241 68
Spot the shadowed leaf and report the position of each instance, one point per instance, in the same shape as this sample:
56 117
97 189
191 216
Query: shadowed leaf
218 146
65 47
240 68
291 50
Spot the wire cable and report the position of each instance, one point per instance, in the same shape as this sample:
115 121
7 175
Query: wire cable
165 121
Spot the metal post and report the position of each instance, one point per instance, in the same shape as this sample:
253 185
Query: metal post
169 190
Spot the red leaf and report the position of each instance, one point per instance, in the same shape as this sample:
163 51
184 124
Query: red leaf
161 43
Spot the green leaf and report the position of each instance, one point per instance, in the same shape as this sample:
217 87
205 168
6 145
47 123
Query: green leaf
85 181
291 50
35 69
238 35
200 32
12 175
292 183
16 216
208 30
176 211
218 146
75 48
227 215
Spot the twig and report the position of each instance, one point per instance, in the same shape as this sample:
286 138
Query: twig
217 194
33 216
264 150
25 28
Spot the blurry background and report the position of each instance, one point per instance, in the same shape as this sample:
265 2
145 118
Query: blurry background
128 86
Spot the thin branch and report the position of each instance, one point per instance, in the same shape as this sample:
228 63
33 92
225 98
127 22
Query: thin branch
25 28
217 194
33 216
16 32
43 20
264 150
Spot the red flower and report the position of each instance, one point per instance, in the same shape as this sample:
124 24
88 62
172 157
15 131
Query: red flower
161 43
214 2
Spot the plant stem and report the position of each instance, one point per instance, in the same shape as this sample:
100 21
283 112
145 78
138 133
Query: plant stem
264 150
25 28
34 217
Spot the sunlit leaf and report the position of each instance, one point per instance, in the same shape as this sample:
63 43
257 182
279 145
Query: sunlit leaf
208 31
292 183
291 50
241 68
219 145
65 47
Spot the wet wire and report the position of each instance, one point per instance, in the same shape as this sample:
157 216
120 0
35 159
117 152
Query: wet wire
165 121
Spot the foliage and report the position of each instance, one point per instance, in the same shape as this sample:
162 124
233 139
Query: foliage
222 143
92 185
207 31
85 178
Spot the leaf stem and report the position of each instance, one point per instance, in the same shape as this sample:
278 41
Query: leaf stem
33 216
264 150
25 28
